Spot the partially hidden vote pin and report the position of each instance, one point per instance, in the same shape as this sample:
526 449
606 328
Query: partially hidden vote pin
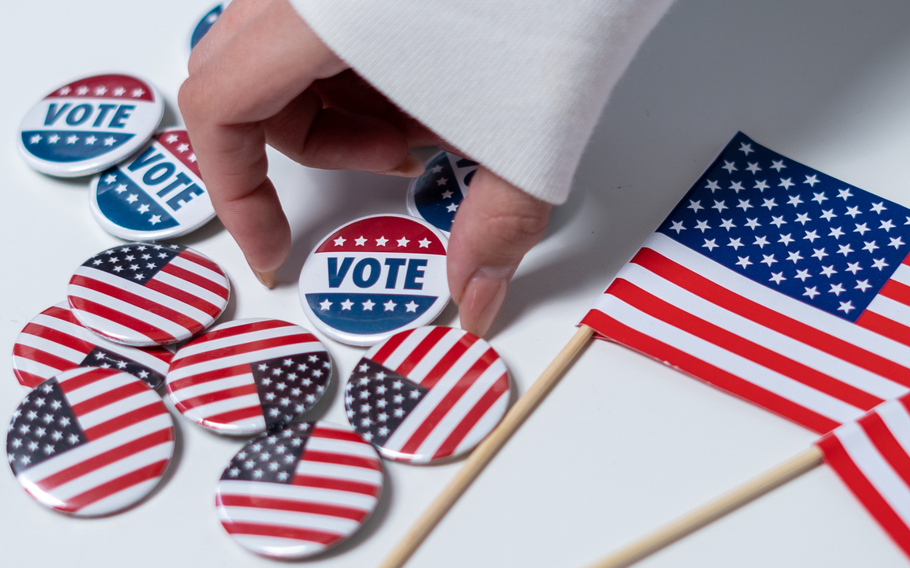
90 124
54 341
375 276
248 376
299 490
146 294
428 394
90 441
436 195
204 25
156 194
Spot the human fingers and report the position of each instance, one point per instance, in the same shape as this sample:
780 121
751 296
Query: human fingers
234 17
496 225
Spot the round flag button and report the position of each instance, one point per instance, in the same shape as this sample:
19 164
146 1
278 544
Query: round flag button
205 24
156 194
436 195
90 441
54 341
299 490
247 376
375 276
427 394
90 124
148 294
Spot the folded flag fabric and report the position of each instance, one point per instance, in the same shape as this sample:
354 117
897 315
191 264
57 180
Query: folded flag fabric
872 456
774 282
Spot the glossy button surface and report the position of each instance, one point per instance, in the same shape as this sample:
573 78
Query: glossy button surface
294 492
156 194
246 376
436 195
90 124
427 394
54 341
148 294
375 276
90 441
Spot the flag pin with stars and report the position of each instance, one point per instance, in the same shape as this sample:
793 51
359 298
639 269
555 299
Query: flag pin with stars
436 195
90 441
54 341
156 194
89 124
375 276
248 376
296 491
427 394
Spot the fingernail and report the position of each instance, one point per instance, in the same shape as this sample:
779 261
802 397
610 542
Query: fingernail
267 279
410 167
483 298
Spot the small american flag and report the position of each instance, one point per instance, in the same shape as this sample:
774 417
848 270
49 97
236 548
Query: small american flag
90 441
297 490
428 394
777 283
246 376
55 341
872 456
148 294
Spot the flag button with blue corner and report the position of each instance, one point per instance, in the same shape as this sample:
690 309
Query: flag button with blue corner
436 195
90 124
156 194
374 277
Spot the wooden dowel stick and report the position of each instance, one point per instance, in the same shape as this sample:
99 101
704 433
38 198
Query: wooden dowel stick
713 510
482 455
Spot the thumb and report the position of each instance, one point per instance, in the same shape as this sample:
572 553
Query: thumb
495 226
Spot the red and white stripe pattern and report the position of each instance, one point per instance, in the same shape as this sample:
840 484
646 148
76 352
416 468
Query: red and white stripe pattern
90 441
147 294
295 491
872 456
428 394
54 341
244 376
685 310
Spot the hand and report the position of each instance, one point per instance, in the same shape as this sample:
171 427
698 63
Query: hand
261 76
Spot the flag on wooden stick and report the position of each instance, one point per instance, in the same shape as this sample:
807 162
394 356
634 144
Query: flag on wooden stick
777 283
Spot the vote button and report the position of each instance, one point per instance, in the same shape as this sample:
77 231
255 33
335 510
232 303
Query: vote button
156 194
374 277
89 125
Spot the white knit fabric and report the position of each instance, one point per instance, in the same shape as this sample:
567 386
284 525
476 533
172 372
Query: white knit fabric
516 85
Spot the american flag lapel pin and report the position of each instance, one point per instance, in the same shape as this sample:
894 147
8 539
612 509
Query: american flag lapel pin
436 195
90 441
147 294
247 376
54 341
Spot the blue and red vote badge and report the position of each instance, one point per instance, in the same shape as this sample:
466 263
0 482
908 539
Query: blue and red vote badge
375 276
436 195
205 24
90 124
156 194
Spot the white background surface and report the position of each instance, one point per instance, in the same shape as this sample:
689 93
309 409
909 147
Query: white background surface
623 444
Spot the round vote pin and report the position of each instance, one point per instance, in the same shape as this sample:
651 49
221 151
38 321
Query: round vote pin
90 441
375 276
436 195
54 341
205 24
247 376
427 394
296 491
148 294
90 124
156 194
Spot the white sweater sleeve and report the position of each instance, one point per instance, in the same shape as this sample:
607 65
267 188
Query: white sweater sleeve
518 85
